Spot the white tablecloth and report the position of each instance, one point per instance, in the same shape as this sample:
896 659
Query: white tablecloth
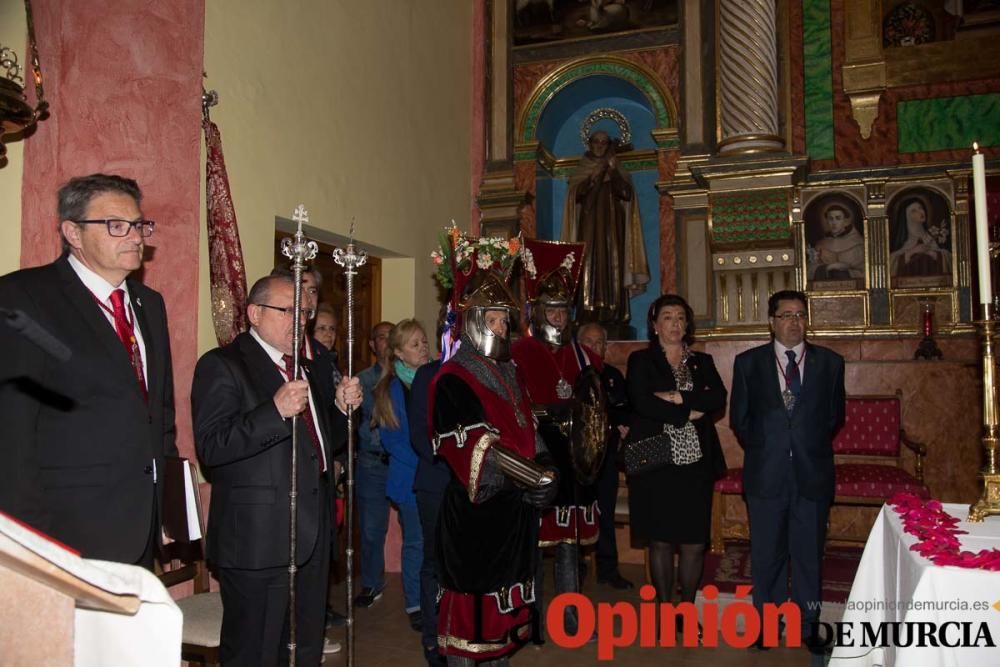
151 638
894 584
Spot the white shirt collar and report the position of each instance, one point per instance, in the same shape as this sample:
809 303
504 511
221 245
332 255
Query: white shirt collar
779 350
273 352
98 286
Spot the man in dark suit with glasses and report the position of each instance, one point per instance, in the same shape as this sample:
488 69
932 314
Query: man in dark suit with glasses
787 405
242 398
84 439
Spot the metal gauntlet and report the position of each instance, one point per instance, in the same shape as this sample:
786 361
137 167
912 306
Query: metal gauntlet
521 469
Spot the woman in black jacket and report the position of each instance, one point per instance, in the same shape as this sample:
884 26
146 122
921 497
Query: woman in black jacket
675 394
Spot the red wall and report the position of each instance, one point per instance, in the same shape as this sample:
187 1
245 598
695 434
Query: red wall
124 81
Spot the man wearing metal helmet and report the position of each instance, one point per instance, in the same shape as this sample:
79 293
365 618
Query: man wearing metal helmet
482 426
553 363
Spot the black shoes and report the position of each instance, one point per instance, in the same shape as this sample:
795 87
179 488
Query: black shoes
616 581
334 619
679 629
817 647
416 620
433 658
367 597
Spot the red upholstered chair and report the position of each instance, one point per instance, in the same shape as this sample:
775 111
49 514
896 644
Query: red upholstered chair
869 467
868 463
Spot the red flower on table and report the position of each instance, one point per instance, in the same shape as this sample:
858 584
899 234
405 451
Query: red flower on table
937 534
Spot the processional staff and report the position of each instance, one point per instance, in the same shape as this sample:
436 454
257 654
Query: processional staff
350 258
300 251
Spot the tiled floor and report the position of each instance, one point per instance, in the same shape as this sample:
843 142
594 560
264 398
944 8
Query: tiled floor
383 638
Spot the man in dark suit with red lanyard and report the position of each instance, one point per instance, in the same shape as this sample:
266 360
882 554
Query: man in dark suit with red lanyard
242 399
787 405
84 439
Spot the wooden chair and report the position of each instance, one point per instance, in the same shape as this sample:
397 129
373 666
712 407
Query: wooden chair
184 560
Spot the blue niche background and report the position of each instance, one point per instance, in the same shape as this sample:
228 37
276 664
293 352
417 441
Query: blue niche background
559 131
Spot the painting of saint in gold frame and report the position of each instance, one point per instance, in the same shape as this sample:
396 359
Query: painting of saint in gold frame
920 238
538 22
835 243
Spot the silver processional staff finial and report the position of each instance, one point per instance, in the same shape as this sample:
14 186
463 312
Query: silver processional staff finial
297 248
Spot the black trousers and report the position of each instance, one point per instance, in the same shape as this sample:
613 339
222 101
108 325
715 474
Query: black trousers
153 541
255 607
607 499
429 506
788 527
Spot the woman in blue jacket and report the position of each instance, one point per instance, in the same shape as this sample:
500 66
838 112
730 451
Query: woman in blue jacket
410 350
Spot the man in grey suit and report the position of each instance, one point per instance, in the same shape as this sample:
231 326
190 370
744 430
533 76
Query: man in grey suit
84 439
787 405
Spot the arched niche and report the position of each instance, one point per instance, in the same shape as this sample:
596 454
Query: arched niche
549 140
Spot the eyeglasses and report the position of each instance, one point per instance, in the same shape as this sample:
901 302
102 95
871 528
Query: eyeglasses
788 317
119 228
308 312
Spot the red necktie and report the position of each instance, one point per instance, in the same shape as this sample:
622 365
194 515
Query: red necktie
307 416
126 334
792 377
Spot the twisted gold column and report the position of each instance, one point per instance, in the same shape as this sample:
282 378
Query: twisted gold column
748 73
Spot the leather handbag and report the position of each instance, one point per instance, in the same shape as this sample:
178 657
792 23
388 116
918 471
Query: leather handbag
647 454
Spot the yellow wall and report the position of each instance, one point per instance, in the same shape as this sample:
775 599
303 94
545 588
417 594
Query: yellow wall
398 292
13 33
356 109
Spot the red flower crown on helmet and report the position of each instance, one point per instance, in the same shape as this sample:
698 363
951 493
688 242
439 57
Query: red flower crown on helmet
477 271
552 269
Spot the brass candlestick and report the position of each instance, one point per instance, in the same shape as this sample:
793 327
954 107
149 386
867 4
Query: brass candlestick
989 502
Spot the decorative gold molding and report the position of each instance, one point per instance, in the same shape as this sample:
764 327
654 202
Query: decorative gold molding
759 259
750 144
871 332
683 201
500 204
967 58
743 287
864 108
570 163
499 82
869 69
864 67
818 300
546 158
935 294
665 135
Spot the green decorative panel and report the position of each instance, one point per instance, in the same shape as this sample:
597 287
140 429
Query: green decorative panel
521 156
759 216
629 165
818 79
617 69
948 122
668 143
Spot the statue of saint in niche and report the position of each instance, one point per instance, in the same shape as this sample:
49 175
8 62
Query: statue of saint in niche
836 250
920 239
601 210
